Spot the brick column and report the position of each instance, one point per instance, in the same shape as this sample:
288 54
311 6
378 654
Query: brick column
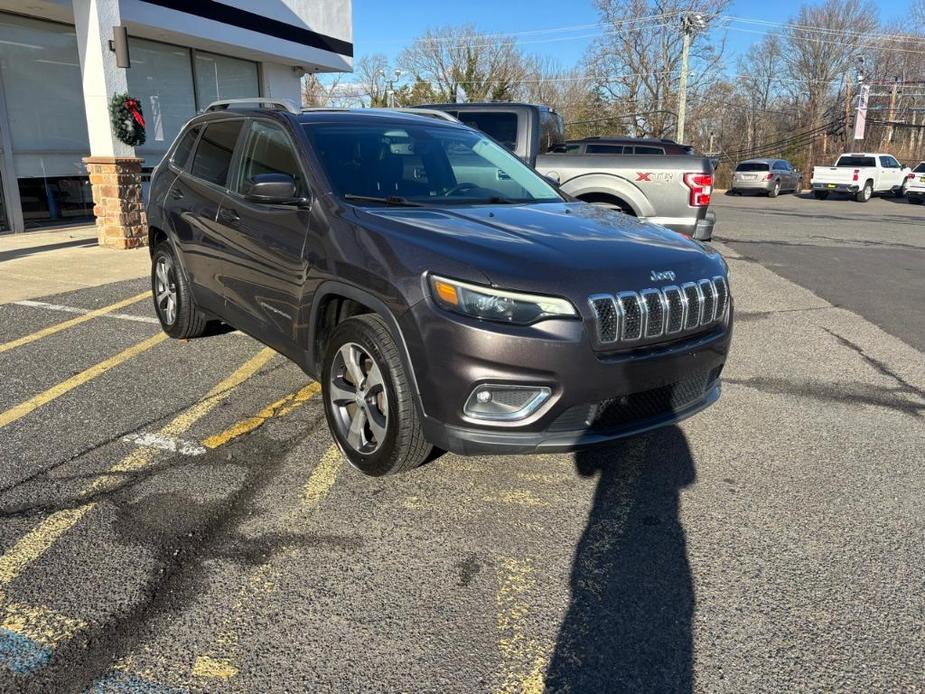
120 214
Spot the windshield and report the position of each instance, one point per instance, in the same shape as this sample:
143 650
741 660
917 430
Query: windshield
753 166
855 162
423 164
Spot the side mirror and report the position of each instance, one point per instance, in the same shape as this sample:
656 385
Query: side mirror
270 188
552 179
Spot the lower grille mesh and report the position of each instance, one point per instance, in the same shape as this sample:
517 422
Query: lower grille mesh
625 411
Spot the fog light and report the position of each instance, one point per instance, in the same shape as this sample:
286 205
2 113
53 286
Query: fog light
500 402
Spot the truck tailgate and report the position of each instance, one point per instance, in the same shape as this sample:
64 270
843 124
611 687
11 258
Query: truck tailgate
834 174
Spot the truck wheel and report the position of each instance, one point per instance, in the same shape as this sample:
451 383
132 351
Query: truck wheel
915 200
173 300
864 194
820 194
775 191
368 401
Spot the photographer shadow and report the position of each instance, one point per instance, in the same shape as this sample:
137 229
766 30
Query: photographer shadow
628 626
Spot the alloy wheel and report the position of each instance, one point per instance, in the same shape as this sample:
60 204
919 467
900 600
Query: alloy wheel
165 289
358 398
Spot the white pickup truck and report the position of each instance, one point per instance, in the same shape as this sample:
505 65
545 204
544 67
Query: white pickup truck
861 175
915 190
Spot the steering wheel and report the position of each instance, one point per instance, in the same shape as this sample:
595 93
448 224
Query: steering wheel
460 188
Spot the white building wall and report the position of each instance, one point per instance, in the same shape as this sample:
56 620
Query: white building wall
281 82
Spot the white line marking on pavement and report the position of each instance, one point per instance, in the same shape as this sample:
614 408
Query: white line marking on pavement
74 309
82 311
165 443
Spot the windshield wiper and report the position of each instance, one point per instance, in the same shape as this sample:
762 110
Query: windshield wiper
396 200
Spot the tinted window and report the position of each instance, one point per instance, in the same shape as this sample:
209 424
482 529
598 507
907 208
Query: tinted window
643 149
752 166
269 150
213 154
552 131
920 168
889 162
604 149
501 126
184 147
779 166
855 162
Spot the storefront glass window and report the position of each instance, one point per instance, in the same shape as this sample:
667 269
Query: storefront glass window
44 101
221 77
161 78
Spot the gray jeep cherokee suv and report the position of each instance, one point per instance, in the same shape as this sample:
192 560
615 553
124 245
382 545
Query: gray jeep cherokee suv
443 293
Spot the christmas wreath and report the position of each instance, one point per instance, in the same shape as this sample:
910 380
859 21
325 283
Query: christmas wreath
127 122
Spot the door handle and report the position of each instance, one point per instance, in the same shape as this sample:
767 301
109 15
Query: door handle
229 216
176 193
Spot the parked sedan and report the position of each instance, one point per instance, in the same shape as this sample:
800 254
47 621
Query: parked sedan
771 176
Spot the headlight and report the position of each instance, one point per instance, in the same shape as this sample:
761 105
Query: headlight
496 304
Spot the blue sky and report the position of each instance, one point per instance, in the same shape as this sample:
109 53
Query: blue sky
385 27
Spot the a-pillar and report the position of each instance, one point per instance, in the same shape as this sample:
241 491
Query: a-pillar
115 171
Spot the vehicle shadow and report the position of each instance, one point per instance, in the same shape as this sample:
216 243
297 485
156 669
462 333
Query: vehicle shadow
628 626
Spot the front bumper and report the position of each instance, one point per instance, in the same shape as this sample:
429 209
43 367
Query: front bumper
596 397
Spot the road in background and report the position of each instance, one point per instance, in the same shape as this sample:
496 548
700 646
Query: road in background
868 257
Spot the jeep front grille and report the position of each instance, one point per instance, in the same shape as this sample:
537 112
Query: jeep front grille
628 317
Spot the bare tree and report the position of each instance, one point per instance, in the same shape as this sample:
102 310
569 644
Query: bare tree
373 72
483 66
636 64
821 47
317 92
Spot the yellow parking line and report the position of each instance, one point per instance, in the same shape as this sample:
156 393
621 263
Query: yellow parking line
58 327
281 407
323 477
33 403
32 545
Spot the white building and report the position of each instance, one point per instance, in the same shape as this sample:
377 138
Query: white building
58 74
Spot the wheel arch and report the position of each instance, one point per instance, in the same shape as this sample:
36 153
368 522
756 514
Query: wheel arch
610 185
335 301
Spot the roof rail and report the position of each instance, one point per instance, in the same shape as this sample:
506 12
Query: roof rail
252 103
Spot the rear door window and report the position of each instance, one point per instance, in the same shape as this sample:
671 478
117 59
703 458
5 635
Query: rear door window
605 149
180 157
644 149
212 160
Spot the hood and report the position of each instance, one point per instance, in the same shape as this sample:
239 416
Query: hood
538 247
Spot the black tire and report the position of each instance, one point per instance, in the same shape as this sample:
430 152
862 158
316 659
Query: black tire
820 194
403 446
915 200
775 191
185 321
901 191
865 193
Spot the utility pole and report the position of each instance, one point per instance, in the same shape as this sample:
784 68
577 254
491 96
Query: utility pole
892 116
689 24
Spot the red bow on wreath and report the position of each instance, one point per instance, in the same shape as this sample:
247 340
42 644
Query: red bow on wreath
133 106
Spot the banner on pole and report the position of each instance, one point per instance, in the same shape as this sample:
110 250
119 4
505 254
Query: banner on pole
860 119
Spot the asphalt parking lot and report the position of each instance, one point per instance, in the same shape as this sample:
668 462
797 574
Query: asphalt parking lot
174 517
